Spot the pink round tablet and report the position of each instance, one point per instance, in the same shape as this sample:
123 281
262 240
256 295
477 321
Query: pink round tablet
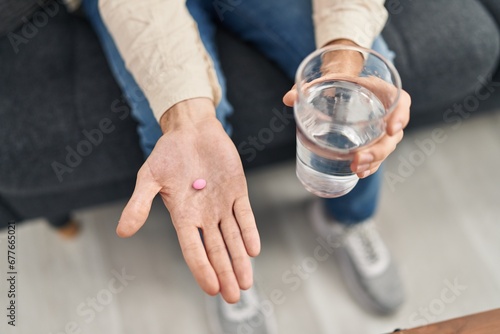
199 184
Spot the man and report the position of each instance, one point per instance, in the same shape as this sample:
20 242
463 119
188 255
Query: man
165 50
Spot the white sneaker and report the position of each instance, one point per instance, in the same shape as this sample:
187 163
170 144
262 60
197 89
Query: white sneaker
365 262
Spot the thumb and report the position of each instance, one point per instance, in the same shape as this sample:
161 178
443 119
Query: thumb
136 211
290 97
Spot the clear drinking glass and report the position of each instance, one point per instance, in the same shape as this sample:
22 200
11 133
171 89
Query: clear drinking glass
342 107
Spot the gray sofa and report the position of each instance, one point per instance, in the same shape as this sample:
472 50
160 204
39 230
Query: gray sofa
58 88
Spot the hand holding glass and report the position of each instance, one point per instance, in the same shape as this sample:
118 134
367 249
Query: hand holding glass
342 107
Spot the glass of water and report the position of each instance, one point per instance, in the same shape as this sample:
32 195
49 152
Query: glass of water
345 94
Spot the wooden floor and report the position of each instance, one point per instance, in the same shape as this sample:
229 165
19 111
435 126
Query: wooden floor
441 220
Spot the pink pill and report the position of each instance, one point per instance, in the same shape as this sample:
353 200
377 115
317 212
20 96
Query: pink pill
199 184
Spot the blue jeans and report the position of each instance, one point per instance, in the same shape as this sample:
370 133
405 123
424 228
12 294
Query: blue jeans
283 31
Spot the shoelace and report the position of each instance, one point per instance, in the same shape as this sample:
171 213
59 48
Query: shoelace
366 236
367 250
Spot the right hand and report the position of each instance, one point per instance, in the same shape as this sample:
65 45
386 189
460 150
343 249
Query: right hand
195 145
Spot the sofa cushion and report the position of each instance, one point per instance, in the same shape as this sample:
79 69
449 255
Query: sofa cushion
442 48
57 91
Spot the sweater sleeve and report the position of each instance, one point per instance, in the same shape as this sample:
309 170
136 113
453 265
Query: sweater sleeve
358 20
161 47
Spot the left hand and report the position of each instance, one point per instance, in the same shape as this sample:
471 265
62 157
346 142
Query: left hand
367 161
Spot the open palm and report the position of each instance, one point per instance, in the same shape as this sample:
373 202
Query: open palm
219 263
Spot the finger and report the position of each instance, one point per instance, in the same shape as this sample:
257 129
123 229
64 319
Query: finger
400 116
136 211
369 172
290 97
219 258
239 257
246 220
376 153
196 258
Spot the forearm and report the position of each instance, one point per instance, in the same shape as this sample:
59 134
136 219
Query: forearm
347 62
360 21
161 47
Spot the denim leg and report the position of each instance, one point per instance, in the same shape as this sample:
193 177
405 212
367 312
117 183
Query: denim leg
283 30
203 16
148 128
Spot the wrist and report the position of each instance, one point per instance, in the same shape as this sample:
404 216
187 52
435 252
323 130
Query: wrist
348 62
188 113
342 41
